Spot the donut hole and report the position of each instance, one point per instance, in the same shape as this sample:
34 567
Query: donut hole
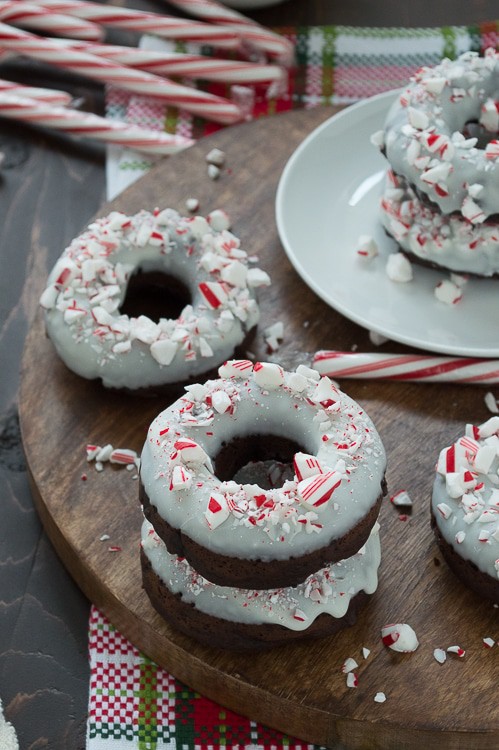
156 295
266 460
474 129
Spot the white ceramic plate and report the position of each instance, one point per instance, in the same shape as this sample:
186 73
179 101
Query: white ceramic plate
328 196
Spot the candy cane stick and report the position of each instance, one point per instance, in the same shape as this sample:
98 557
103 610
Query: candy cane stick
146 23
185 65
37 18
89 125
49 96
259 37
49 50
420 368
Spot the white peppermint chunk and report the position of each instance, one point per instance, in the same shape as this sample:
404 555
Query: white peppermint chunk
221 401
163 351
398 268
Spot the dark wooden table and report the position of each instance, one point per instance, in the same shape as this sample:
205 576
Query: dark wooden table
49 188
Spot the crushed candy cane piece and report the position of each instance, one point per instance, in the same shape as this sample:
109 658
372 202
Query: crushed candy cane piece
219 220
439 655
123 456
104 454
398 268
104 538
448 292
268 375
491 402
367 247
315 491
221 401
236 368
401 498
352 680
217 510
399 637
456 650
192 204
349 665
216 156
306 465
213 172
181 478
189 451
273 335
366 652
488 642
377 338
380 697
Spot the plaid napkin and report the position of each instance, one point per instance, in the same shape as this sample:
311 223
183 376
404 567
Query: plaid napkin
133 702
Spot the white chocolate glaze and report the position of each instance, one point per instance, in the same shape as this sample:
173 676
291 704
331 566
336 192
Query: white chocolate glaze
329 591
343 472
423 138
88 285
465 500
449 241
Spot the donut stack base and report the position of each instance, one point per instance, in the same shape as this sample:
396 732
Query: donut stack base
174 589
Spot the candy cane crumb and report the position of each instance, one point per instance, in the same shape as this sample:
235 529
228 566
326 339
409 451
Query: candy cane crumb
439 655
491 402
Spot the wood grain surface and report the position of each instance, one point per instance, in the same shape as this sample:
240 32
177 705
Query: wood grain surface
299 689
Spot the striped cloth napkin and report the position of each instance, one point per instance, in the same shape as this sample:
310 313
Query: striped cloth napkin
134 703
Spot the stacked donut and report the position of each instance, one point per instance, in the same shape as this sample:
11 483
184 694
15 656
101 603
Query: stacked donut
247 564
441 198
465 507
87 287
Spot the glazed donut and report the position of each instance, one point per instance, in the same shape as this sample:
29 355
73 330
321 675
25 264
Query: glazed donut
243 534
89 282
465 507
426 135
440 240
242 619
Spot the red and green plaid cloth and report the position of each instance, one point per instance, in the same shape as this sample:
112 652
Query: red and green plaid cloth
136 704
133 702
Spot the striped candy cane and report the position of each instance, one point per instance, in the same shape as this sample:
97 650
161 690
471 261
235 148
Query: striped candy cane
198 102
88 125
184 65
420 368
38 18
256 35
49 96
145 23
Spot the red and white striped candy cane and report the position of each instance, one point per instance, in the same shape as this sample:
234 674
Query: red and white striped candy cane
49 96
88 125
49 50
256 35
183 64
422 368
35 17
145 22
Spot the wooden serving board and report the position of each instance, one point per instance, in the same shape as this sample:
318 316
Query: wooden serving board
298 689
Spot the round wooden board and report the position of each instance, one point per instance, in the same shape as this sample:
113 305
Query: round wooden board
300 689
